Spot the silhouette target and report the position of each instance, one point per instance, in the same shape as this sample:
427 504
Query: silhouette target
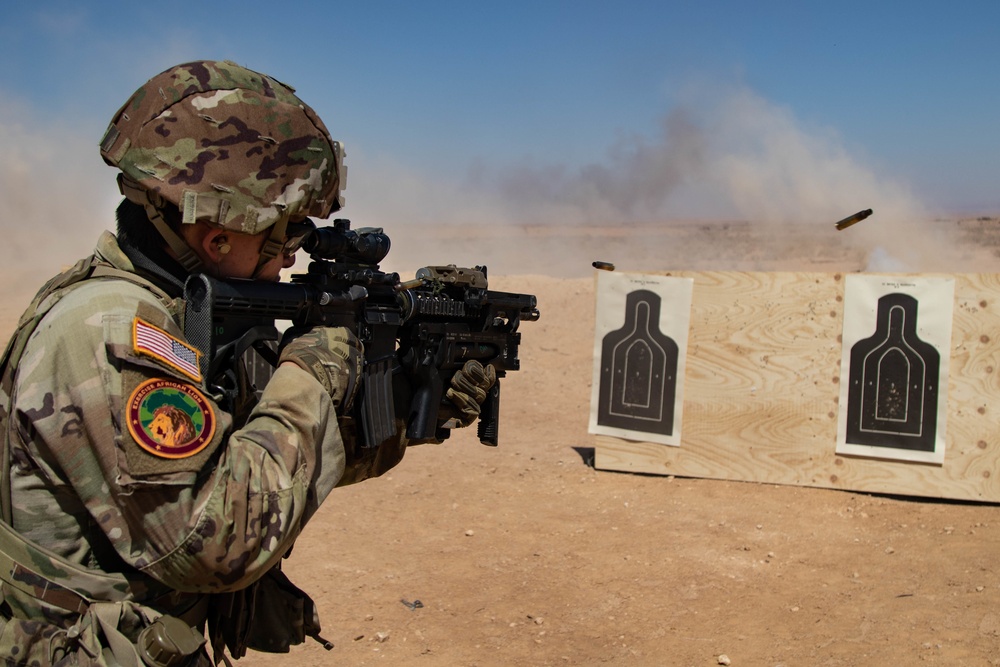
893 394
638 381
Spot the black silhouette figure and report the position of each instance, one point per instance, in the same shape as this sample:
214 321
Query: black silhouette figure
892 400
638 370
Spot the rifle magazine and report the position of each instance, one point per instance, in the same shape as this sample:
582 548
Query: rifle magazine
378 411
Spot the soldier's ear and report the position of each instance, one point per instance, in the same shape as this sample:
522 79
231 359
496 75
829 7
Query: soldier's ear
215 244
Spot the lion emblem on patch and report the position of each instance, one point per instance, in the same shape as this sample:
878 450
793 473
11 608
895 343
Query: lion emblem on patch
170 419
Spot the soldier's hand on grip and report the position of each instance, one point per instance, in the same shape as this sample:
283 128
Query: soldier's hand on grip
332 355
468 389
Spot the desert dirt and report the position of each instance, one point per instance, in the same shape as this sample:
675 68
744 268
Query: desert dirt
525 554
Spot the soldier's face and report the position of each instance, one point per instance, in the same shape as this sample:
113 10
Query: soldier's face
244 254
229 254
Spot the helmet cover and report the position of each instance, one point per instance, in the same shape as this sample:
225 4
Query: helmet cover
226 145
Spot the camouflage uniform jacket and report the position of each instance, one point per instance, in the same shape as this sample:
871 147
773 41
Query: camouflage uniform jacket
106 477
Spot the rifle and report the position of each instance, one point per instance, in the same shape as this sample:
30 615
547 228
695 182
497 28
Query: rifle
416 334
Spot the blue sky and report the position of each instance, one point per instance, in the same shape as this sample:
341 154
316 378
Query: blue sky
536 110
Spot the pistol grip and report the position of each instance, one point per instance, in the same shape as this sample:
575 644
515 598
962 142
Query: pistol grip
423 417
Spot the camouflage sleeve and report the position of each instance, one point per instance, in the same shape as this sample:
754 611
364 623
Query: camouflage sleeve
111 408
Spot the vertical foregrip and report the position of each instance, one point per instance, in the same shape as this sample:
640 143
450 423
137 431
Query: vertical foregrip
489 417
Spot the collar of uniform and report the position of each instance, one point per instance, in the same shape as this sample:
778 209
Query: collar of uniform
109 251
166 273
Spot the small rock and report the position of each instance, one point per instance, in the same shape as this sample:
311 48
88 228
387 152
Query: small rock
382 637
469 533
724 660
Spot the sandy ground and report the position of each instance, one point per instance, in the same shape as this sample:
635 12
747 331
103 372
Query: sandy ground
525 555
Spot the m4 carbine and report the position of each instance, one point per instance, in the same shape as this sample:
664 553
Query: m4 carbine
416 334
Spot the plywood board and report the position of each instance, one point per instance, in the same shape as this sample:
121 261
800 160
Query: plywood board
762 389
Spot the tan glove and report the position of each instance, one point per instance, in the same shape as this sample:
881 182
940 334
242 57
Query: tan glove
332 355
468 389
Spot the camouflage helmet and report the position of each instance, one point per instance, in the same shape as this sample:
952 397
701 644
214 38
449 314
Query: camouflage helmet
225 145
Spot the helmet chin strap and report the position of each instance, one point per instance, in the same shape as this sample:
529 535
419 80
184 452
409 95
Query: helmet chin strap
272 246
185 255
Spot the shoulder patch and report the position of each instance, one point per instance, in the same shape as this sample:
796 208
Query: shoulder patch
170 419
157 343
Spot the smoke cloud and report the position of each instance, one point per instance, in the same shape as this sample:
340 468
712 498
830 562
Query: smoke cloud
56 195
729 181
716 156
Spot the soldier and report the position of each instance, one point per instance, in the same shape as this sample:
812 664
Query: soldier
140 511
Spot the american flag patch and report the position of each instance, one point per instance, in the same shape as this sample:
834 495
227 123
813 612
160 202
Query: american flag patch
154 342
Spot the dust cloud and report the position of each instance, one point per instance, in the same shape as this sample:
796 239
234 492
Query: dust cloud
56 195
730 181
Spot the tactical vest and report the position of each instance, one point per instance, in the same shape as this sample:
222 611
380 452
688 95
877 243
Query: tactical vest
108 613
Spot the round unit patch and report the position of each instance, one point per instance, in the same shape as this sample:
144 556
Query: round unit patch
170 419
